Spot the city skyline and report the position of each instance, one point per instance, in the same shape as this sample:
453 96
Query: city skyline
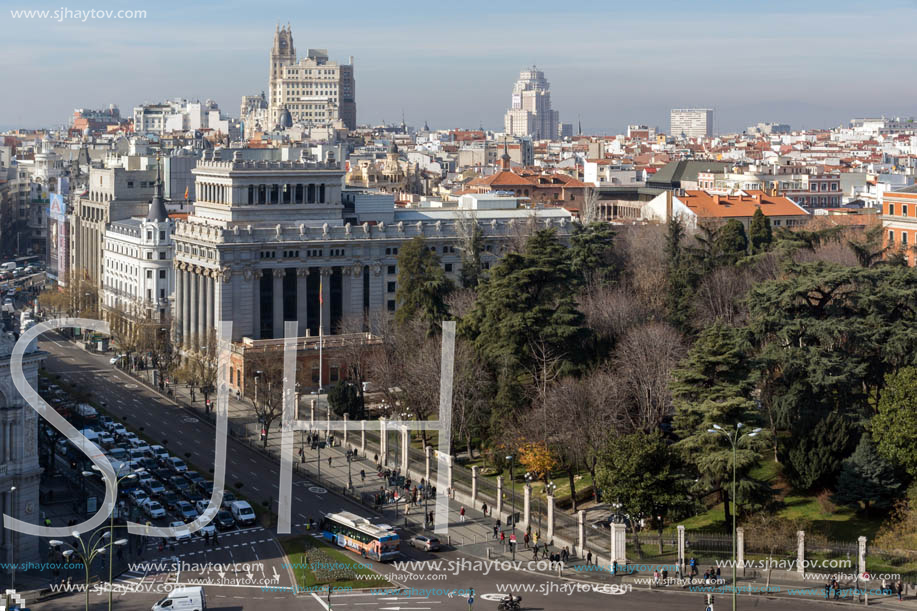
792 72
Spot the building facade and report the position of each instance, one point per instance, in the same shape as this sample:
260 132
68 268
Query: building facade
809 187
278 241
530 114
313 91
691 122
899 218
20 474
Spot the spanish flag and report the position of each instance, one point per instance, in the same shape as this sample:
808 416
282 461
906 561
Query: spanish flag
186 193
321 300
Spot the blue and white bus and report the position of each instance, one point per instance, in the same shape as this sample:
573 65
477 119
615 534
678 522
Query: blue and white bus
350 531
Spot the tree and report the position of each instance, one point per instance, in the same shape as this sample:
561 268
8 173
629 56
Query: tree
344 399
643 474
894 427
472 389
537 459
759 232
204 364
592 257
813 453
867 478
264 387
422 285
731 242
681 277
713 385
471 246
868 249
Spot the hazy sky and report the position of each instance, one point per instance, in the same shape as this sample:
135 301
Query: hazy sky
808 63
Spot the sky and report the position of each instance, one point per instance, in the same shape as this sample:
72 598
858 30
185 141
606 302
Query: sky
812 64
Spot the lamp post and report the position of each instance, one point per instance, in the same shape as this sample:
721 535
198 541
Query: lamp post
88 551
13 509
111 529
734 438
512 483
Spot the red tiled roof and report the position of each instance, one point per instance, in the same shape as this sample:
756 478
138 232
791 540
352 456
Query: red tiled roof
709 205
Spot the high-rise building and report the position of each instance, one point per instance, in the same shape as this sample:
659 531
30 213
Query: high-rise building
530 114
313 91
691 122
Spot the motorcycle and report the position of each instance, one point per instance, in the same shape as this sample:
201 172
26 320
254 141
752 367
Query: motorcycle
510 603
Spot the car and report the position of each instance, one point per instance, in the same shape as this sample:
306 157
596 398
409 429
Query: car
162 474
228 499
106 423
206 488
192 476
113 360
133 441
169 499
106 439
118 455
181 531
153 486
153 509
224 520
177 464
186 511
141 451
119 431
138 496
207 530
159 452
201 506
242 513
179 484
193 495
428 544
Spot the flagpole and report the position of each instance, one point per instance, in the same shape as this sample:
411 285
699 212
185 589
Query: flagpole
321 337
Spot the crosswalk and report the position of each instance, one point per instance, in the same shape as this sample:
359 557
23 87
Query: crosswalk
151 573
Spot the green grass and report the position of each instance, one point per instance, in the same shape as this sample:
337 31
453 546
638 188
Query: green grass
294 546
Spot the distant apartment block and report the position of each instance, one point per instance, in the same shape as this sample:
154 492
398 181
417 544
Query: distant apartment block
530 114
691 122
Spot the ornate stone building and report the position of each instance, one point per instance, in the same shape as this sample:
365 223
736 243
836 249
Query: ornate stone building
20 475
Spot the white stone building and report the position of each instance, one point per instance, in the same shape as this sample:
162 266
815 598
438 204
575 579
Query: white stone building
137 271
530 113
691 122
182 115
20 474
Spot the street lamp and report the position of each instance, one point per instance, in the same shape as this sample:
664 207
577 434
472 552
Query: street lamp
111 529
87 552
13 506
512 483
734 438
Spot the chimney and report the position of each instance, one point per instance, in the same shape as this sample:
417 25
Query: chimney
716 200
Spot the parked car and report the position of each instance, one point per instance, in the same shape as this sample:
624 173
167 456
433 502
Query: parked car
242 513
182 533
186 511
179 484
177 464
224 520
153 509
114 360
159 452
201 506
169 499
153 486
207 529
193 495
206 488
228 499
427 544
138 496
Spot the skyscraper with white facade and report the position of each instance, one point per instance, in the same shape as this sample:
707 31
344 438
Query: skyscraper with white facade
530 114
691 122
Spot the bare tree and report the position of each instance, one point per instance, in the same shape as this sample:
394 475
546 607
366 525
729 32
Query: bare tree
590 210
264 387
544 371
460 302
720 296
519 232
643 249
471 394
611 310
644 361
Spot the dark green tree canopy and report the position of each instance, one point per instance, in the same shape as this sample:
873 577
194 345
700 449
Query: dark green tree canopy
422 285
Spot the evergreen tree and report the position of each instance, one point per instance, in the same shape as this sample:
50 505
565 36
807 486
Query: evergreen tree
894 427
814 450
713 385
344 399
731 243
867 478
422 285
591 253
472 266
681 277
760 233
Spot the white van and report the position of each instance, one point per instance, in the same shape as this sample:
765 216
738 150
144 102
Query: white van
183 599
242 512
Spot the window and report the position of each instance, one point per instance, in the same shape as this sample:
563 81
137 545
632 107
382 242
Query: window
391 287
904 238
162 255
149 255
891 236
391 269
903 209
149 236
448 267
149 294
162 274
891 208
162 235
130 184
335 373
391 305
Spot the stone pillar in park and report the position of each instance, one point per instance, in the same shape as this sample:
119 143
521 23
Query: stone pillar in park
312 412
549 535
681 549
428 455
499 507
346 429
801 553
363 437
527 505
383 442
861 555
619 544
581 533
474 486
405 449
740 549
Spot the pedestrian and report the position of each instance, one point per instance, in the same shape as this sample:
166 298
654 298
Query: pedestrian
717 573
614 568
836 587
656 578
462 513
536 536
431 518
496 528
525 540
545 551
502 537
693 564
484 508
362 475
899 588
329 461
206 537
589 558
665 575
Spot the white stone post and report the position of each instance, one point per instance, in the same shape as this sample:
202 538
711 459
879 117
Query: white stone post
312 413
383 442
527 505
346 422
740 548
405 447
363 437
681 549
499 506
861 555
619 544
428 456
581 532
474 486
549 535
801 553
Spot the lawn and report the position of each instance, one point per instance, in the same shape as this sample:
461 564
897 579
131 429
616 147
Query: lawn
303 550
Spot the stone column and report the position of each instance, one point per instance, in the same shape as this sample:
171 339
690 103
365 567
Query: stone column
312 412
428 458
256 303
527 505
499 507
383 442
363 437
681 548
356 290
549 534
346 305
581 532
277 303
405 446
194 309
801 552
861 555
346 424
450 462
740 548
326 300
210 280
184 301
474 486
201 308
302 307
619 544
